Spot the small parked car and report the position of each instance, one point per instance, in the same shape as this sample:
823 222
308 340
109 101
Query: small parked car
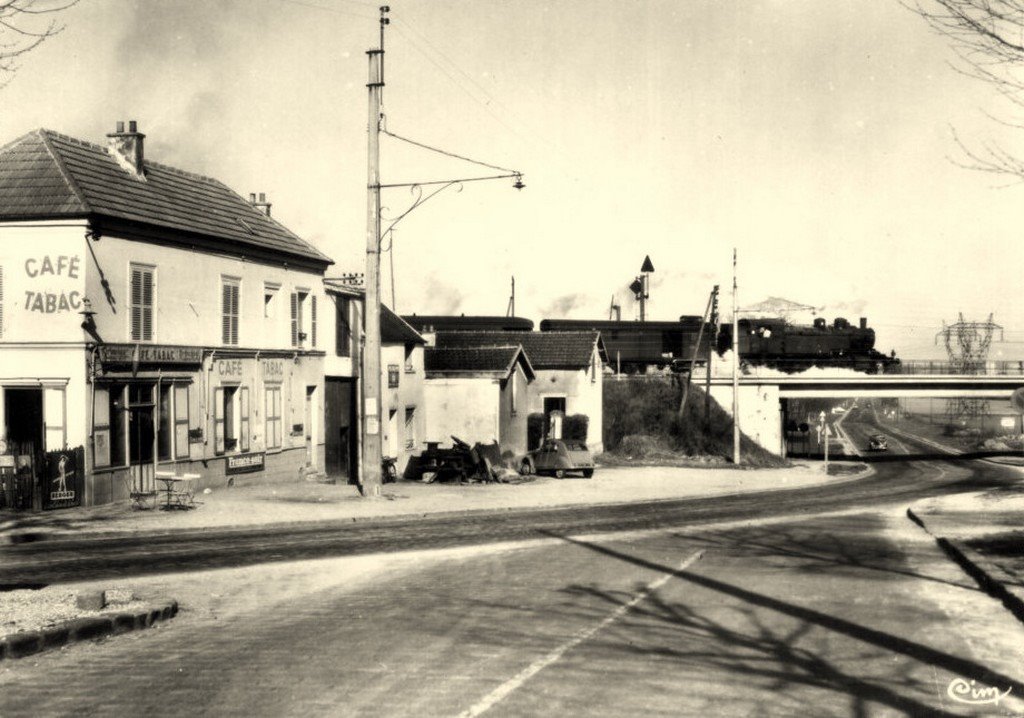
557 457
878 442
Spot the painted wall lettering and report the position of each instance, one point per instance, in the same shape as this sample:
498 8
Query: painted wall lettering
63 265
48 302
273 369
229 367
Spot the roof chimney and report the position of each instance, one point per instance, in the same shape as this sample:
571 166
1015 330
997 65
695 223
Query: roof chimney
262 204
126 148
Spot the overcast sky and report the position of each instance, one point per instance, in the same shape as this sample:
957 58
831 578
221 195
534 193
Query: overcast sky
812 136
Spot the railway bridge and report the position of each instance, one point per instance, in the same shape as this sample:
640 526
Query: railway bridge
763 396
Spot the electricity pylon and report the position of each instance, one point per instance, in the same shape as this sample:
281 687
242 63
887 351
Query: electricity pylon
967 345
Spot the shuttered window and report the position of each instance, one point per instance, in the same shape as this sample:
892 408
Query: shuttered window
229 311
141 295
342 328
296 323
299 334
312 321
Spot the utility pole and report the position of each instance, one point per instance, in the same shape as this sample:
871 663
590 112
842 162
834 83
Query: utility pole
735 368
696 350
372 457
511 311
711 349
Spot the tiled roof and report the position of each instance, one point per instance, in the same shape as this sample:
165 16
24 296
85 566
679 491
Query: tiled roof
47 175
545 350
395 330
483 360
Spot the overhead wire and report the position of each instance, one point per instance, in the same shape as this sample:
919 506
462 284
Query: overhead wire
447 74
491 99
314 6
389 133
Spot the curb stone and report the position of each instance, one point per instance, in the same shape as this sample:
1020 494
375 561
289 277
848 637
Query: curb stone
964 557
27 643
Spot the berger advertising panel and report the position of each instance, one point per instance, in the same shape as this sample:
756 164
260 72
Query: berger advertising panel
42 283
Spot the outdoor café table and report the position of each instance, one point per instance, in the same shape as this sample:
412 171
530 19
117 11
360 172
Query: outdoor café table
179 489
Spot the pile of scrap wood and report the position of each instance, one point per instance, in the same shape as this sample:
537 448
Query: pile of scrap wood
462 463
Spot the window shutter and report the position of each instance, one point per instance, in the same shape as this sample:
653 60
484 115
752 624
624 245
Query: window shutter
218 421
343 337
295 319
53 419
147 305
136 305
180 421
225 313
312 320
234 313
243 422
101 427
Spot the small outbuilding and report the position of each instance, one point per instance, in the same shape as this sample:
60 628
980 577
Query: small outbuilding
479 394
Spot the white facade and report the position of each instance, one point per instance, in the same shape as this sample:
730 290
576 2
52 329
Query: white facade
402 397
69 325
581 389
466 407
42 345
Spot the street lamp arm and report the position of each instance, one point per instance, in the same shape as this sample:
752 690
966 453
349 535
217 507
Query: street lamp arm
417 190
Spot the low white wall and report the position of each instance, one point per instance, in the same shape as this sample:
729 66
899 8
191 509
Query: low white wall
760 413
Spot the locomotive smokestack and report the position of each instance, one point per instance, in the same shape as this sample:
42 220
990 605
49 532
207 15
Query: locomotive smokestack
863 322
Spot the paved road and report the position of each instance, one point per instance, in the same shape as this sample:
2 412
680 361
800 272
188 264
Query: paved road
863 421
852 615
87 558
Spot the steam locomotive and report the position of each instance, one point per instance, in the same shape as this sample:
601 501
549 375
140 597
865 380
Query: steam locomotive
774 343
788 347
635 346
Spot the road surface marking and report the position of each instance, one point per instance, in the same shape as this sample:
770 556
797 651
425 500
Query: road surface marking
506 688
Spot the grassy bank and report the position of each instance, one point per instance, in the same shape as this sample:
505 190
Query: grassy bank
642 422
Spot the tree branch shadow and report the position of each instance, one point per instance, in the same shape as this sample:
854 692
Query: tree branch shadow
772 656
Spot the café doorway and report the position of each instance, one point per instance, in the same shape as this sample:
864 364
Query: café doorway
23 417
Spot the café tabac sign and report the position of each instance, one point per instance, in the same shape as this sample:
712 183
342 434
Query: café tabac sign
149 354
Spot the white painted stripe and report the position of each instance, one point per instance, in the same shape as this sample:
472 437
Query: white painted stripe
506 688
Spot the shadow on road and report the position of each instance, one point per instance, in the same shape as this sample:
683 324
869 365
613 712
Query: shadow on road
819 552
749 648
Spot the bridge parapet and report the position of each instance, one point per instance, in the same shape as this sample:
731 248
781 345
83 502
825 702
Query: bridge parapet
947 368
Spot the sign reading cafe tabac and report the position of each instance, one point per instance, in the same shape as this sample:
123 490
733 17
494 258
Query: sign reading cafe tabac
149 354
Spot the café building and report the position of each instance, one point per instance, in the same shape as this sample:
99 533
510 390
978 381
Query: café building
155 320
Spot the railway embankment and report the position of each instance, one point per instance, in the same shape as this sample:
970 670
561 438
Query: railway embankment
643 422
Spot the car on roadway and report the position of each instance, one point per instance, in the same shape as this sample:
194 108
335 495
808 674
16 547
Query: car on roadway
878 442
558 457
